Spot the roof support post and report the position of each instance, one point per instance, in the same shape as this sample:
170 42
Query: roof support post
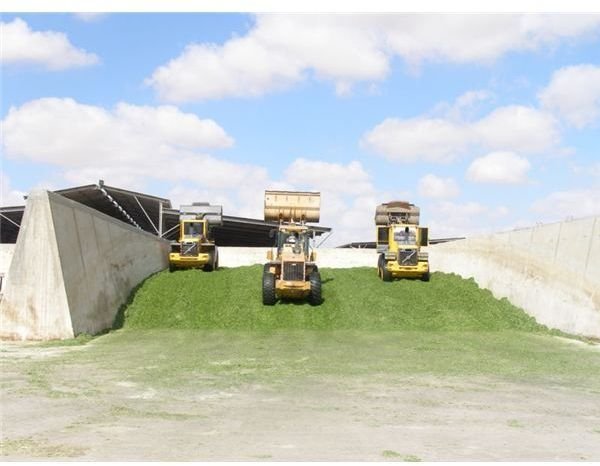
146 214
160 218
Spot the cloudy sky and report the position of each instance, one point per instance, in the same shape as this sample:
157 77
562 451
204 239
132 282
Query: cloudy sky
487 122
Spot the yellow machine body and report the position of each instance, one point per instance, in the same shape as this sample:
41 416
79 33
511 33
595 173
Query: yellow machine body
291 264
291 271
399 245
193 250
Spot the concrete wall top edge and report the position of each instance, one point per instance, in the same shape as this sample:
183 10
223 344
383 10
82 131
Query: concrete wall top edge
538 225
70 203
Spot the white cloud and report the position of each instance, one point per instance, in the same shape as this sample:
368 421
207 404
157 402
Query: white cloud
125 145
514 128
452 219
282 50
463 106
418 139
592 170
517 128
438 188
65 132
480 37
574 94
8 195
51 49
574 203
499 168
89 17
344 179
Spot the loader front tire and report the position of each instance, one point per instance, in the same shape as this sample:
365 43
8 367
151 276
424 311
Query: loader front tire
268 289
386 275
213 262
314 298
425 277
382 270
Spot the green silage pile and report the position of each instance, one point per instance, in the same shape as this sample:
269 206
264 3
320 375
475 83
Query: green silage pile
353 299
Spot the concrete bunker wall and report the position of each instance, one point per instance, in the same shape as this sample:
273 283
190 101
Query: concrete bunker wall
6 255
551 271
72 269
326 257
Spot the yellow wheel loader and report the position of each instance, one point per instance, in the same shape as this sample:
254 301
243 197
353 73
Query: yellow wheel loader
195 248
291 272
399 242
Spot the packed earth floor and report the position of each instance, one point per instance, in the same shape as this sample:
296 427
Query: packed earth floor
198 369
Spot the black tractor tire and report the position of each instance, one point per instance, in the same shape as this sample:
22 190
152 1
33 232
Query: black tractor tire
210 265
172 268
216 259
314 297
268 289
425 277
384 273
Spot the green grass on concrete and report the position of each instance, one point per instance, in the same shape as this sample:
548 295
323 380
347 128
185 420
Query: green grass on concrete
353 299
211 330
176 358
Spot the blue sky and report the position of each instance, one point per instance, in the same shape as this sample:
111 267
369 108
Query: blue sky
487 122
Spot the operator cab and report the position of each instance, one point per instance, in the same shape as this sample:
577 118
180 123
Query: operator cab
193 229
405 235
296 242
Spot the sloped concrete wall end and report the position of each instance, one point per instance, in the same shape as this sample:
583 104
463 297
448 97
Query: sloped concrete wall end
34 303
72 269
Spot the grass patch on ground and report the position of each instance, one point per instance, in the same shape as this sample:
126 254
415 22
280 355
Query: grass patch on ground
193 328
38 449
353 299
223 359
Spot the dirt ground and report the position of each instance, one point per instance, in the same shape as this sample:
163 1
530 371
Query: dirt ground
53 409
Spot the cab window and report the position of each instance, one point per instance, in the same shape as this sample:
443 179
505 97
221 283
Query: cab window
405 235
193 229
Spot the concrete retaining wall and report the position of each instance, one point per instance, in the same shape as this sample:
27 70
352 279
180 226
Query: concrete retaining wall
6 254
73 267
551 271
326 257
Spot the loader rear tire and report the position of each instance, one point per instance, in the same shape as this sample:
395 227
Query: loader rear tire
268 289
425 277
314 298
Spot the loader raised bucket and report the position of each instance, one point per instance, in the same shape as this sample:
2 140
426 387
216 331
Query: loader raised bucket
398 211
292 206
213 214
